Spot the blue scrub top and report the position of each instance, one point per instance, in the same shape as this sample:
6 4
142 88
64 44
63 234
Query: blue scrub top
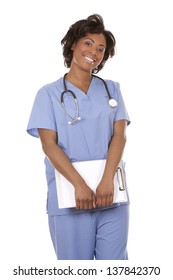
86 139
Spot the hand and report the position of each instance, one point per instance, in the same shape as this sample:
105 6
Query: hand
85 198
105 193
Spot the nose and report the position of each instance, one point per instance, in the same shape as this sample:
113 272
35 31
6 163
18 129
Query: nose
93 51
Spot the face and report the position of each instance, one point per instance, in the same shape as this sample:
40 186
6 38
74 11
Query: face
89 51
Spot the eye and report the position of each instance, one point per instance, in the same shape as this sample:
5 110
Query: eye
101 49
88 43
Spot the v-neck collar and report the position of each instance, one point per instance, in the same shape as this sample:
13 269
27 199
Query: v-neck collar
78 90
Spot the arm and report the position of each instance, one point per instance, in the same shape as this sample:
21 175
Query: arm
105 189
84 196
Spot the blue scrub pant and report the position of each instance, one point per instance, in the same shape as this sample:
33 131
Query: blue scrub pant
101 234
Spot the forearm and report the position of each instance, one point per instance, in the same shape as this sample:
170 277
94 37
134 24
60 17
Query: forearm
105 189
62 163
115 152
84 196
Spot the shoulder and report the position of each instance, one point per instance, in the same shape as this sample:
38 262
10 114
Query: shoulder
51 88
112 83
114 88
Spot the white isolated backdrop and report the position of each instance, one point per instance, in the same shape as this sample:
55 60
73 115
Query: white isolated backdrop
30 57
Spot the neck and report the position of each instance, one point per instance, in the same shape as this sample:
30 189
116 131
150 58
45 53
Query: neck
79 77
81 80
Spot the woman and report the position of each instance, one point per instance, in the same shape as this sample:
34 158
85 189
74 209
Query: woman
88 130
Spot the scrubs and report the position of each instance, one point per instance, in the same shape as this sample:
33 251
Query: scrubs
86 139
101 235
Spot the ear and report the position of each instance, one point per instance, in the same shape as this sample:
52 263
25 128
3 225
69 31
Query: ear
73 46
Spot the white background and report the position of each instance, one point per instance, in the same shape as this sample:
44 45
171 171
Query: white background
30 57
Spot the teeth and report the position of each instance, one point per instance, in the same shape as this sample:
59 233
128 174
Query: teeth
89 59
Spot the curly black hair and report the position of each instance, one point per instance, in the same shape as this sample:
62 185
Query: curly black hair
94 25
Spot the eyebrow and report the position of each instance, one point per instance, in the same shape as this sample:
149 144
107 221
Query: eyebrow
94 42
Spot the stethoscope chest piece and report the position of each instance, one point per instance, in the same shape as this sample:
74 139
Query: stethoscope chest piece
112 102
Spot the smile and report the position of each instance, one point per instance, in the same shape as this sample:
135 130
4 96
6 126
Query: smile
89 59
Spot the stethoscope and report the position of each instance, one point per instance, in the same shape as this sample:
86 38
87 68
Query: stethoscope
112 102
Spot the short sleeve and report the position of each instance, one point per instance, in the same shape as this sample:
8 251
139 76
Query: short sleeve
121 112
42 114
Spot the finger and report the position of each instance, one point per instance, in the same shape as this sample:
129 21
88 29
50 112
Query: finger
98 201
108 200
111 199
86 205
77 204
94 202
81 204
90 205
104 201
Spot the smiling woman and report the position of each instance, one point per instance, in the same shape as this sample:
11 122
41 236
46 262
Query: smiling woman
97 227
93 25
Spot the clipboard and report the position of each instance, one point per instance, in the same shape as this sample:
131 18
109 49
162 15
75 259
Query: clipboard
91 171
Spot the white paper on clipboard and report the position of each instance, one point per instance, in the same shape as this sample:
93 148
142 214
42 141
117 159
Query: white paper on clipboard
91 172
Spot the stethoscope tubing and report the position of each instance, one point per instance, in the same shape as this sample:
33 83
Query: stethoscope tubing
112 102
108 92
66 91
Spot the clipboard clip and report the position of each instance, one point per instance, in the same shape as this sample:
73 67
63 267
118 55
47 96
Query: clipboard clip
120 178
